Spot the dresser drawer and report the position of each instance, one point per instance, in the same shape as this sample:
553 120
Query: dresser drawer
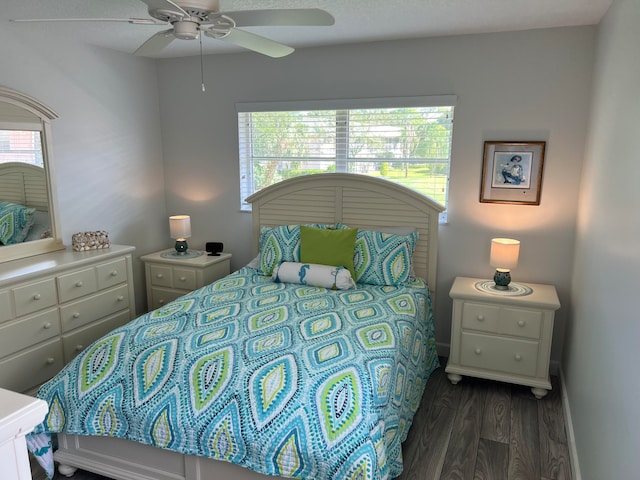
161 276
5 306
31 367
501 320
77 284
184 279
499 354
81 312
76 342
16 335
162 296
35 296
111 273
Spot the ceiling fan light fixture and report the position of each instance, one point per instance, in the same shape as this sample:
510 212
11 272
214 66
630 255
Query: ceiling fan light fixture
186 30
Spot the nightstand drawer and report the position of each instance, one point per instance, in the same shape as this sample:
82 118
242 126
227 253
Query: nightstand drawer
498 354
502 320
111 273
32 367
89 309
161 276
35 296
184 279
15 336
162 296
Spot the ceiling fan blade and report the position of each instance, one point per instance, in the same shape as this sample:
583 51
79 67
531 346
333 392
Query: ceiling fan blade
281 17
156 43
165 5
254 42
136 21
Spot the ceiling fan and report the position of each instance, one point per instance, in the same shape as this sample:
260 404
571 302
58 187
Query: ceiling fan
188 18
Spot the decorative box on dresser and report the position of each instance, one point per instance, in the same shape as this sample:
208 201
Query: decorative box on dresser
170 277
502 336
54 305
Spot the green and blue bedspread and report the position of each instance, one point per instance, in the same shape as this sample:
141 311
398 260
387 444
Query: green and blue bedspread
284 379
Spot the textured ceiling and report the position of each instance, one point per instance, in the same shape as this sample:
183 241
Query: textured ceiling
356 20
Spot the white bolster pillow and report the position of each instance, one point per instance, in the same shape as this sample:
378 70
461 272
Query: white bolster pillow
335 278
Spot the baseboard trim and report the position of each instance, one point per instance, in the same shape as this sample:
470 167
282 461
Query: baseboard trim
568 425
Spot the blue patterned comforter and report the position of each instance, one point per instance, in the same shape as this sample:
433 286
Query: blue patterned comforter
283 379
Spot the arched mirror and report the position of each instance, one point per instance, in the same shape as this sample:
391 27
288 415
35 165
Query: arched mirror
28 222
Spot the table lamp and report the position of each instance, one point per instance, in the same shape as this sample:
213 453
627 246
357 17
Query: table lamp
504 256
180 229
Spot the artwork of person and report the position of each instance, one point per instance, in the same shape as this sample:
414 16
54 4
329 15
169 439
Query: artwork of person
512 172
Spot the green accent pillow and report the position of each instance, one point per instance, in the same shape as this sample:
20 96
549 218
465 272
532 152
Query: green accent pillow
328 247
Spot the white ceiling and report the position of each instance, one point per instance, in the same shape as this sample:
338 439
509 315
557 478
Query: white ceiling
356 20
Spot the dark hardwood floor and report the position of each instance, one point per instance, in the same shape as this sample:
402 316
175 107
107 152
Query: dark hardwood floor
477 430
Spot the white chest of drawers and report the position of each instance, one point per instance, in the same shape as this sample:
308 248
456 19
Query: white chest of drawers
54 305
502 337
171 277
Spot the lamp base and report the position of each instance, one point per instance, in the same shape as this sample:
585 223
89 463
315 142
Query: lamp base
502 279
181 247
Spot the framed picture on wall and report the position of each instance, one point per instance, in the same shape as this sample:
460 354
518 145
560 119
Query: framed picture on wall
512 172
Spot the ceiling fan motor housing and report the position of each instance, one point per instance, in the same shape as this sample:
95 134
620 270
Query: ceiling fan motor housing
185 30
198 8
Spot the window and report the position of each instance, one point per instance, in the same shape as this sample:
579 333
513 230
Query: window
21 146
405 140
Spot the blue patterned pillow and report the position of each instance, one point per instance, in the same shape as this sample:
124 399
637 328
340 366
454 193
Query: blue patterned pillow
15 222
383 258
281 244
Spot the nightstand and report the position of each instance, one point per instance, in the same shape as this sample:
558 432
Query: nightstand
501 336
171 277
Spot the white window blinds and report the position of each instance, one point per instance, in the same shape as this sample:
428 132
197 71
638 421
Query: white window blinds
405 140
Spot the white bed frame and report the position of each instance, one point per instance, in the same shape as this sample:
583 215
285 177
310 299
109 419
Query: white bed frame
24 184
355 200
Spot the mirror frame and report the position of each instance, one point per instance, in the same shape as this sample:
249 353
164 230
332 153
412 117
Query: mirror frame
45 114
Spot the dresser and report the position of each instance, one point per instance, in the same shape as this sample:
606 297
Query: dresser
500 336
54 305
171 277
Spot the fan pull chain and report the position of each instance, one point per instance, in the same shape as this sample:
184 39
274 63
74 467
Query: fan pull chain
201 63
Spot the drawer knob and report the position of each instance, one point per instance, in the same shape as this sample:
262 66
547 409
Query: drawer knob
521 323
79 283
480 318
518 357
477 351
79 348
159 275
50 360
37 296
161 301
76 315
114 273
47 326
120 298
183 279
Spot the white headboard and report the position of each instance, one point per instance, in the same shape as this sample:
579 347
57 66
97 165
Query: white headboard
357 201
24 184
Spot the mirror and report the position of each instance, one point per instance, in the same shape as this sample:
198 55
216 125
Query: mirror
28 222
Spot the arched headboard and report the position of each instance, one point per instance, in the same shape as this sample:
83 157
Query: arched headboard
357 201
24 184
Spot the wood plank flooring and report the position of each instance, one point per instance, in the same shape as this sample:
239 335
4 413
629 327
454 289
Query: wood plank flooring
476 430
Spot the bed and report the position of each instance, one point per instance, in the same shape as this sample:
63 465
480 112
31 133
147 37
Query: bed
315 394
23 188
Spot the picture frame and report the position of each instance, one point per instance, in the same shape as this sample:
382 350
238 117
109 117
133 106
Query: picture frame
512 172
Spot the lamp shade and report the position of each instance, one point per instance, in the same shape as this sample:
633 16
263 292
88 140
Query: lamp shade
504 253
180 226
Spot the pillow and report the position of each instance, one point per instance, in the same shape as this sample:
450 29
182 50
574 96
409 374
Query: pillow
328 247
335 278
383 258
281 244
15 222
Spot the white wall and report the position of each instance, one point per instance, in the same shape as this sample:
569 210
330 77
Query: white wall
106 142
601 359
511 86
